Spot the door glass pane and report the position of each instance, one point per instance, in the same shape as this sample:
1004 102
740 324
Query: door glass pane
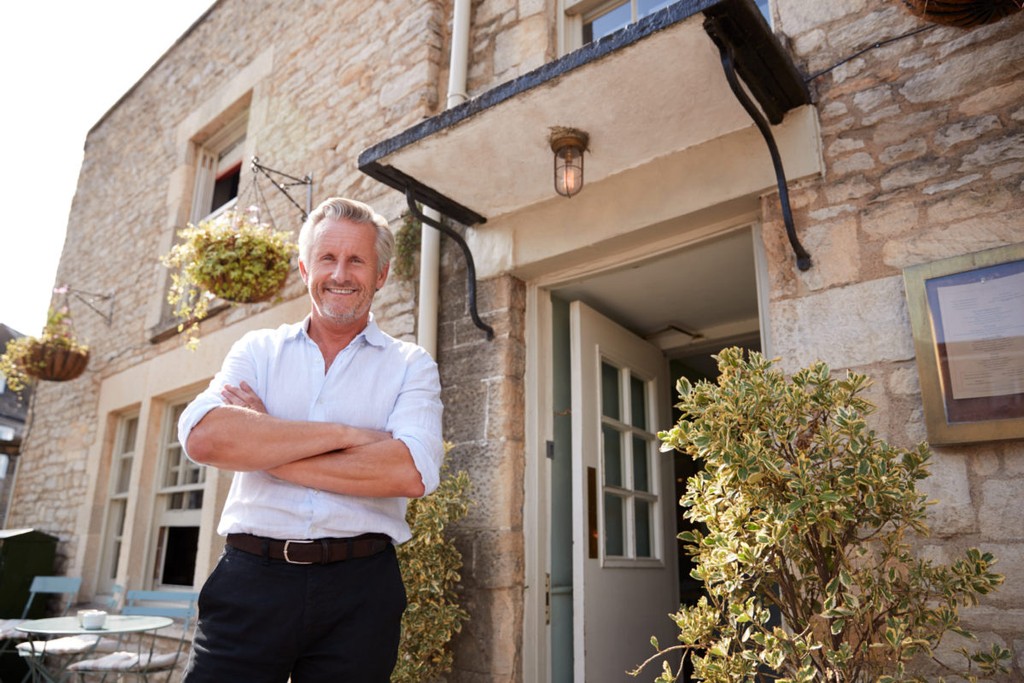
124 474
612 456
185 500
193 473
173 469
117 509
610 391
122 462
641 478
614 525
643 528
638 402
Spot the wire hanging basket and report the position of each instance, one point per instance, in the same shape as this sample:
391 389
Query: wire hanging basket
963 13
57 355
240 259
54 363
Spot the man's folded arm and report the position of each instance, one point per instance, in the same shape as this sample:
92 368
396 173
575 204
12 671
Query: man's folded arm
241 439
381 469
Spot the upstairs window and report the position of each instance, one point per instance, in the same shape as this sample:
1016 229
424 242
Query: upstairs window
219 170
588 21
220 151
611 17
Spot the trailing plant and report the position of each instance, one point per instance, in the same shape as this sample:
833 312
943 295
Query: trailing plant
430 565
55 354
232 256
407 246
803 525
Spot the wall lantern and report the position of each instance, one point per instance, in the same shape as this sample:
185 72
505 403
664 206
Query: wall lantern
568 144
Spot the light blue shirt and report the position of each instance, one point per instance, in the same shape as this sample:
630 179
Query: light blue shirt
376 382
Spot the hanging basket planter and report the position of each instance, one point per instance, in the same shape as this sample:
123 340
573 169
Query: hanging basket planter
242 270
963 13
55 356
55 363
233 257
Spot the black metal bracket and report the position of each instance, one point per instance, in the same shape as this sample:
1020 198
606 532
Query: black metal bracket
711 25
82 295
470 265
257 167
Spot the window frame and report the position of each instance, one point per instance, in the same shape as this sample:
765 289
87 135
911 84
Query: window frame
171 457
221 147
222 153
573 15
625 489
123 457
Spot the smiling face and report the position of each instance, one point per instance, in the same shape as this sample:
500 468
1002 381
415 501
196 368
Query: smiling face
341 274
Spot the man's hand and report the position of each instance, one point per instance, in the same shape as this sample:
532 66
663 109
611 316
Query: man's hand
242 396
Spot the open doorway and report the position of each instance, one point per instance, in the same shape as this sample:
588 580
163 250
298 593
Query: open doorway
619 341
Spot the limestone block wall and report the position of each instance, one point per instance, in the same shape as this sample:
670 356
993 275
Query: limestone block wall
923 140
333 77
483 393
508 38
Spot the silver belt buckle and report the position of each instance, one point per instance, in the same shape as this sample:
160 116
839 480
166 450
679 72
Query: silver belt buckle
290 560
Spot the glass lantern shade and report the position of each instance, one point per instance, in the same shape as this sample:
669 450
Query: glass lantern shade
568 150
568 171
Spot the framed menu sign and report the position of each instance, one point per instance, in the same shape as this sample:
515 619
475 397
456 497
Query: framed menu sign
967 315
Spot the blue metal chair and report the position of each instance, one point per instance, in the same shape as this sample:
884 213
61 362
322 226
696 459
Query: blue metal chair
64 586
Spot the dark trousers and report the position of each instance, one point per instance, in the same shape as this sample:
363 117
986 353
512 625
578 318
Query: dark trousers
261 621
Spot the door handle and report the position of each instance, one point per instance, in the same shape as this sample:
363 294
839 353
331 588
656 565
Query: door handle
592 511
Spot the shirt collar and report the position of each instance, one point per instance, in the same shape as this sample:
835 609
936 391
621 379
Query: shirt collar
371 333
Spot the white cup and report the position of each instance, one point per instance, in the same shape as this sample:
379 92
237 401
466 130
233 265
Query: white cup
92 618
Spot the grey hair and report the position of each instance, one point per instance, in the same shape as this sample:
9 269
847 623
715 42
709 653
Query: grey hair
339 208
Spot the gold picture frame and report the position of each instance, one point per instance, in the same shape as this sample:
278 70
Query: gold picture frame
967 316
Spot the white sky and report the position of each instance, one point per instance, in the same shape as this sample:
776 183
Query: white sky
64 63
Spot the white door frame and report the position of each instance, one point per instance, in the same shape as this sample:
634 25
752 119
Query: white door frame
536 656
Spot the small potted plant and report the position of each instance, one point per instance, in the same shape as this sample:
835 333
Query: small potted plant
232 256
55 356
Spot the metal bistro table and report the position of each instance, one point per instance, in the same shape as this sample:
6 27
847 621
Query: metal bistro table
116 625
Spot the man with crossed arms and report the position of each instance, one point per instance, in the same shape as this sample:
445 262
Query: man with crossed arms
329 426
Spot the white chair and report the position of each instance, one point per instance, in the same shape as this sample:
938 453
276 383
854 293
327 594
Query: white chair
146 659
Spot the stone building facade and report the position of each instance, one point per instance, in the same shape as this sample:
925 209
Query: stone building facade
905 152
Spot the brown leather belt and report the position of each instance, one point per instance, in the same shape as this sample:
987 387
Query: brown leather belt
316 551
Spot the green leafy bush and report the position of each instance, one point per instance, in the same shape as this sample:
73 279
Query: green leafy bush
802 537
430 568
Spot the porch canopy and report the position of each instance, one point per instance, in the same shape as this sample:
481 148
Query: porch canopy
648 91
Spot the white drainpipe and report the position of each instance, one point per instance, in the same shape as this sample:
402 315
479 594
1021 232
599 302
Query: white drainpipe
460 54
430 238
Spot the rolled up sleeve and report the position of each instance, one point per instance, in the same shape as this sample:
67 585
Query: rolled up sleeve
417 418
238 366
